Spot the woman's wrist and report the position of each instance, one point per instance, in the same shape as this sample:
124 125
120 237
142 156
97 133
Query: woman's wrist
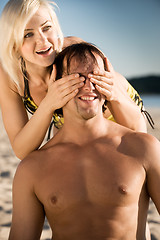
47 108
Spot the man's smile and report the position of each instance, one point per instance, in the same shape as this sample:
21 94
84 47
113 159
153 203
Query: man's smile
87 98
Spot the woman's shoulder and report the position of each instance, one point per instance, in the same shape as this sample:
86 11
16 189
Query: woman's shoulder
7 83
69 40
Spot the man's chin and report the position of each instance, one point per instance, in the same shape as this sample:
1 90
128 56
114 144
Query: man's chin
86 115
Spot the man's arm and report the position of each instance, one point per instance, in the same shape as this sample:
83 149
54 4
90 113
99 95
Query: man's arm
28 213
153 171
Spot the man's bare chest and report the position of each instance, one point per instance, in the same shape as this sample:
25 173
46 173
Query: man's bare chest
97 175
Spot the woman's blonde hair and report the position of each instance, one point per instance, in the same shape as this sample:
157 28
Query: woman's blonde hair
14 18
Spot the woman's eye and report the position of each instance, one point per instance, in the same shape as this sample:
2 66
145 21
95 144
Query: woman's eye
28 35
47 28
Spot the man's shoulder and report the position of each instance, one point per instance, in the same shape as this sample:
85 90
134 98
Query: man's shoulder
35 163
44 154
29 161
26 169
138 137
144 138
143 144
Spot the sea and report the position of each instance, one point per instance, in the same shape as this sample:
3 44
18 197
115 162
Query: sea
151 100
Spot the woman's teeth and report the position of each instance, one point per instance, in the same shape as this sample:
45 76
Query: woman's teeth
44 51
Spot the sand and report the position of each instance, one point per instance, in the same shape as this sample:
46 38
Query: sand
8 164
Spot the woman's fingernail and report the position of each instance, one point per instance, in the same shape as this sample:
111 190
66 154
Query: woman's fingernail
82 83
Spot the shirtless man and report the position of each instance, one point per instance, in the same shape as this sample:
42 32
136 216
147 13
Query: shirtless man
94 179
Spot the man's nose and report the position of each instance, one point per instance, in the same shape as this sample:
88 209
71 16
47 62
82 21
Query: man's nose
88 85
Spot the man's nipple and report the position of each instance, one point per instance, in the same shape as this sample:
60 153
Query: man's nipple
54 200
122 189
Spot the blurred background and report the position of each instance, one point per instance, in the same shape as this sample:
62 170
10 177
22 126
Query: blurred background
128 32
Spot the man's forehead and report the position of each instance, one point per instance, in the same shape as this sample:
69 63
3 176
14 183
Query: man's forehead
86 65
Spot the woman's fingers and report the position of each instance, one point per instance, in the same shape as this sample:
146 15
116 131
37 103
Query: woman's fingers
64 89
101 79
104 86
69 96
72 81
101 73
109 65
66 79
69 84
102 83
72 88
104 91
64 95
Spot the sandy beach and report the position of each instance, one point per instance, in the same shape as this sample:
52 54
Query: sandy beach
8 164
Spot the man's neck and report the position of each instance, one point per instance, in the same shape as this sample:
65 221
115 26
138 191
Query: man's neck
83 131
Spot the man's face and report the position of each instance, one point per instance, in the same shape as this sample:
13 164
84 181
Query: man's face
88 102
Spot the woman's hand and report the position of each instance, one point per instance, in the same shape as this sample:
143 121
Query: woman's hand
114 87
62 90
109 83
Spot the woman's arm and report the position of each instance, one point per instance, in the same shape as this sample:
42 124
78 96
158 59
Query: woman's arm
69 40
124 110
27 135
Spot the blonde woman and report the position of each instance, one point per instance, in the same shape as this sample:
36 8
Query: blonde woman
30 40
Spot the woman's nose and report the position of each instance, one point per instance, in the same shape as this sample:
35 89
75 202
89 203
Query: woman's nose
41 38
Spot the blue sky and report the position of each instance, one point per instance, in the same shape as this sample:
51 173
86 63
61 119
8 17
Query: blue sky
128 32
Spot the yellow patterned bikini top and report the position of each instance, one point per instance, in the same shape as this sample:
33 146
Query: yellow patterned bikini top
58 119
31 107
134 96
